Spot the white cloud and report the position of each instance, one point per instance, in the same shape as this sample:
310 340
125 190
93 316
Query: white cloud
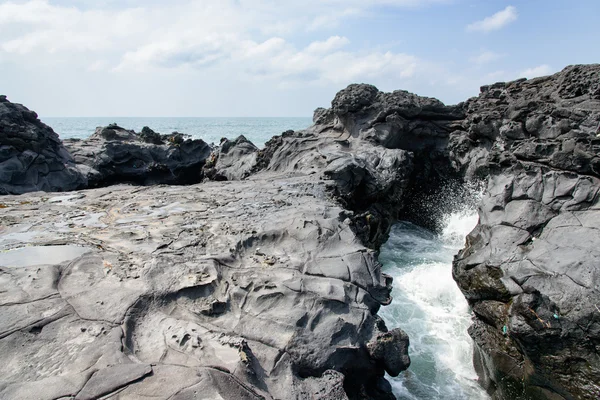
333 43
202 35
485 57
495 22
189 51
540 70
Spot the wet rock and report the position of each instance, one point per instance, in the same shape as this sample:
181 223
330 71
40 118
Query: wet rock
32 158
391 349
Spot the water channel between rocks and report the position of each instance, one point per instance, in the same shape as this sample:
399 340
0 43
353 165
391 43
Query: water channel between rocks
429 306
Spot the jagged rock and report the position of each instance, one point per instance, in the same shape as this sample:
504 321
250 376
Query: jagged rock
113 155
149 136
233 160
391 349
530 267
32 158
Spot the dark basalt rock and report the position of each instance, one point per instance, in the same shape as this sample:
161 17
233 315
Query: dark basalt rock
530 267
391 349
32 158
114 155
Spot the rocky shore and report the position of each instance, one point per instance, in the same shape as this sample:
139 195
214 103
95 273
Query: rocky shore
238 272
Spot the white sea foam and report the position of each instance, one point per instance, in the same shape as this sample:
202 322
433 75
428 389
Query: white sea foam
429 306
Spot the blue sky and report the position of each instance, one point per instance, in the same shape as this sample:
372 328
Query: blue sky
275 58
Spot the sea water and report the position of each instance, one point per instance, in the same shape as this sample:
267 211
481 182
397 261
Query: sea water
429 306
211 130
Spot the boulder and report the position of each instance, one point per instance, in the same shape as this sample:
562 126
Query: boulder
232 160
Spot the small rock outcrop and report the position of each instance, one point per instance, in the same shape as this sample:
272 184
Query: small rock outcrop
32 157
233 160
530 269
115 155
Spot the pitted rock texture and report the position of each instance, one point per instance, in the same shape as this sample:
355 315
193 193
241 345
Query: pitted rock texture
32 158
116 155
530 268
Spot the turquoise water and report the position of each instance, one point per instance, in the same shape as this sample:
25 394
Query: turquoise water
211 130
429 306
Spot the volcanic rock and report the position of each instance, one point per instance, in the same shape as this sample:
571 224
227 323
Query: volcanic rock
530 267
32 158
115 155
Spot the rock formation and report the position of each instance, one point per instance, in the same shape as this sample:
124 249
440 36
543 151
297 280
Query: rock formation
267 285
113 154
232 160
530 268
32 157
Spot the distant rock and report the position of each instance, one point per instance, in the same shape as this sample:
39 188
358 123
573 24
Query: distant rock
115 155
32 157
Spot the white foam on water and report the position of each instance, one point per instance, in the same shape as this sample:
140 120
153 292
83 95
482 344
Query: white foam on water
429 306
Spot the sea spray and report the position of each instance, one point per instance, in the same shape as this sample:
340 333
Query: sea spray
429 306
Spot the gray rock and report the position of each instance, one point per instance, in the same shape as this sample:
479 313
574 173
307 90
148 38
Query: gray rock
530 267
269 286
116 155
233 160
32 157
210 284
391 349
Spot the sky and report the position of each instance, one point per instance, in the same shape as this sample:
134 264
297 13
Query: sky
245 58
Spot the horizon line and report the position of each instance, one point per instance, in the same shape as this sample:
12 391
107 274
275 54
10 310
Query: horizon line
109 116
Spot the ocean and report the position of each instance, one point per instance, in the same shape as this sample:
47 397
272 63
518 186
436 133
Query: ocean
211 130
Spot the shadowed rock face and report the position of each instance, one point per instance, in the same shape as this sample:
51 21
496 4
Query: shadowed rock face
32 158
530 268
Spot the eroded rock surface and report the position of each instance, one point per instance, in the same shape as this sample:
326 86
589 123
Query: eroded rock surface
249 289
530 269
233 160
32 157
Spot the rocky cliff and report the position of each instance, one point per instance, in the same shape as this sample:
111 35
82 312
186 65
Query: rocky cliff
530 269
265 283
